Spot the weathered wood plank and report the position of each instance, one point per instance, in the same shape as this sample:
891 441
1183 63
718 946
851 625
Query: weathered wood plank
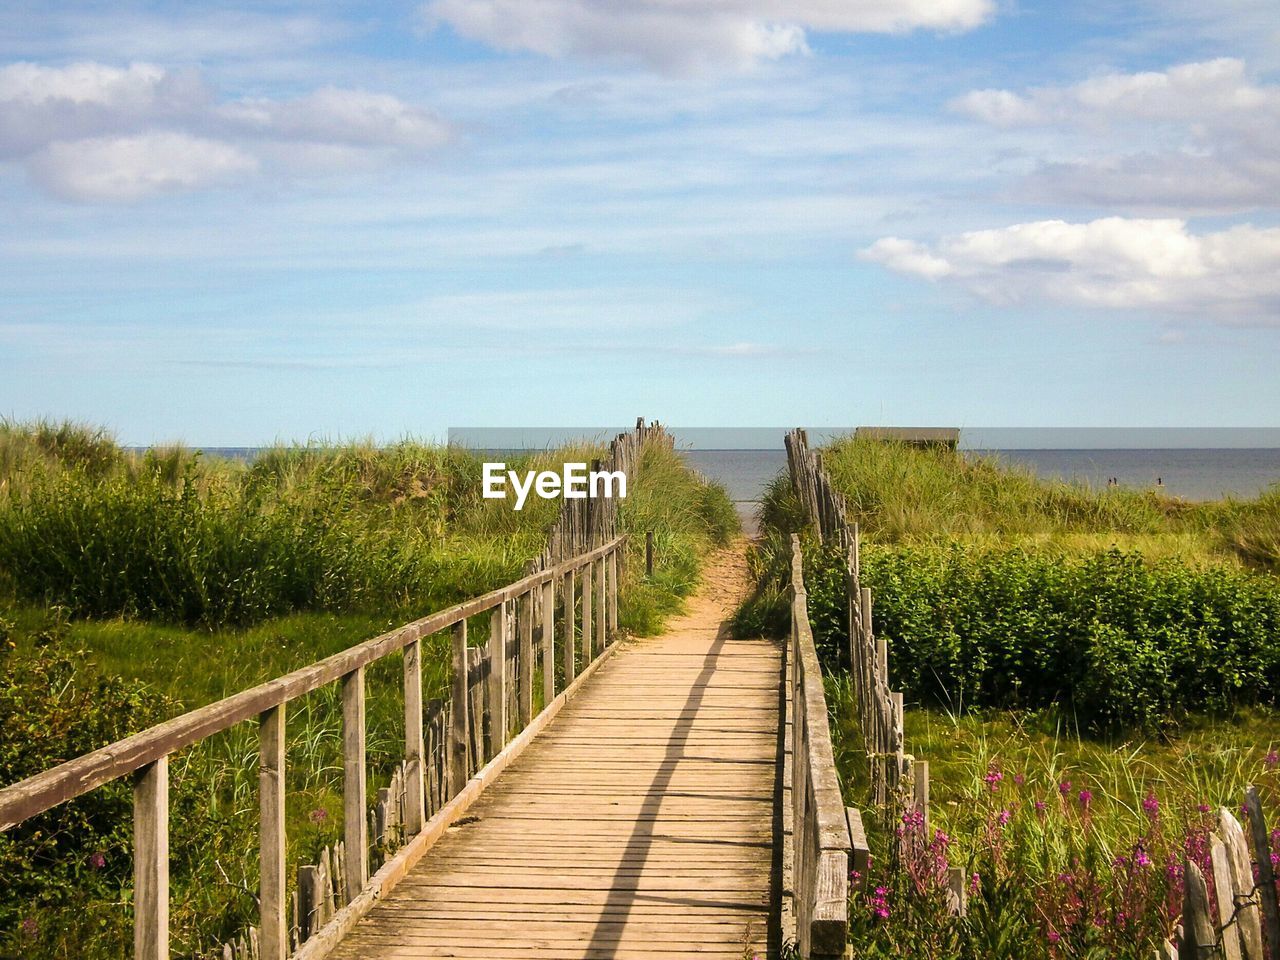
151 862
524 661
459 717
273 942
414 749
355 831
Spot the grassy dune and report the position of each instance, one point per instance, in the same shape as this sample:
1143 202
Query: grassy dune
135 586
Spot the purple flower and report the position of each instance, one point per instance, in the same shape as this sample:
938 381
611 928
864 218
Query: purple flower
29 927
974 882
1054 936
1272 759
1086 798
1151 806
318 815
1039 805
1019 779
993 778
1140 857
1003 817
1064 787
1202 807
97 860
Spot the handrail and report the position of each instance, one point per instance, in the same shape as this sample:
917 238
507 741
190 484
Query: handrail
73 778
516 611
820 849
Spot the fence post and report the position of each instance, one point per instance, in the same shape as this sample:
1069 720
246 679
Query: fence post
548 642
271 834
414 751
648 553
1242 873
151 862
1266 874
602 607
525 680
459 720
588 634
613 592
568 603
355 833
1198 940
497 679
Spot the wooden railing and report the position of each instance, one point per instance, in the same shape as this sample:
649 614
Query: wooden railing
817 854
523 642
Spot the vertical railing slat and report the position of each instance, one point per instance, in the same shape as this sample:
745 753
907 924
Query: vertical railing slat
354 805
570 644
525 699
414 748
497 679
273 944
459 719
548 642
151 862
588 634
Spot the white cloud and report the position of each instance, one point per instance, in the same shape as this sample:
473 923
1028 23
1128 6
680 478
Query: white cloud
1211 136
63 120
1110 262
123 169
39 104
334 116
686 35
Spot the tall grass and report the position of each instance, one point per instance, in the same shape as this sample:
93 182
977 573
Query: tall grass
135 586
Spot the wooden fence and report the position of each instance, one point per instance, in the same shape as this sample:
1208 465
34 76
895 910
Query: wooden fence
899 782
454 746
817 845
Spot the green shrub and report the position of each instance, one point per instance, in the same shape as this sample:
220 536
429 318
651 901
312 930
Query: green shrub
1119 639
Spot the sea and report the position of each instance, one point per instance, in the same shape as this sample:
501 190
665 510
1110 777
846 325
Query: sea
1191 474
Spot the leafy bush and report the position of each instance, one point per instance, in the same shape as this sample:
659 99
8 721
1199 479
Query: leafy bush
1120 639
51 710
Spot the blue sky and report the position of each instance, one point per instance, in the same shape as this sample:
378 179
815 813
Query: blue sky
233 224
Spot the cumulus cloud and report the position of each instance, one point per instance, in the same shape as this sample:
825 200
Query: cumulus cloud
1213 136
684 35
1111 262
39 104
96 132
130 168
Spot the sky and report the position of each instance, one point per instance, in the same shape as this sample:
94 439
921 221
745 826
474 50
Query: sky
231 224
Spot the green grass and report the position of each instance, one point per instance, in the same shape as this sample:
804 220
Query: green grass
900 494
137 586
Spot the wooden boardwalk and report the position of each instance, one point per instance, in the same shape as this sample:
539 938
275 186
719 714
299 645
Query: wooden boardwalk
639 824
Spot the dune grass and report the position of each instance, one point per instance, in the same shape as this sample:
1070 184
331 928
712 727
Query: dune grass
134 586
901 494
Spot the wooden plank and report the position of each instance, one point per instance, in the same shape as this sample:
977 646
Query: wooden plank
548 641
612 560
355 832
588 633
414 750
1266 873
151 862
1248 920
525 663
459 717
394 870
569 601
272 893
1198 939
1224 886
602 606
76 777
498 728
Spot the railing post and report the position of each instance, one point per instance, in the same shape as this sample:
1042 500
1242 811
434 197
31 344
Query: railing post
602 607
355 818
613 592
151 862
273 944
548 642
497 679
458 719
414 751
588 635
524 700
570 653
